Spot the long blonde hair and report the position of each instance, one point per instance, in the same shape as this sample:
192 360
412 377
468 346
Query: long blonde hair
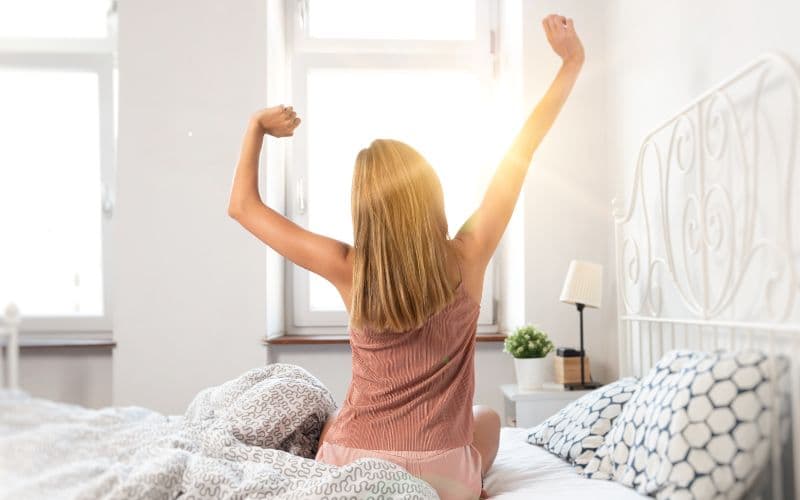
400 231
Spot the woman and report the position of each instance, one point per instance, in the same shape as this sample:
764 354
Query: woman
412 293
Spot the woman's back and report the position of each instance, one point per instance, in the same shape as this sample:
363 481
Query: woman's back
412 391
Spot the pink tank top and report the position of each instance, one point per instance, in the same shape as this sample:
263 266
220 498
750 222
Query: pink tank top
412 391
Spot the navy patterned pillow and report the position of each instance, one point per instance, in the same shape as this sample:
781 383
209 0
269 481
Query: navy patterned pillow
575 432
698 427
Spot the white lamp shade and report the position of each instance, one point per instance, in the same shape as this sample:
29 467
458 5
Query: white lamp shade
584 284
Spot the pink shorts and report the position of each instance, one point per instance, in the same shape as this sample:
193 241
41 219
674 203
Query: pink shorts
454 473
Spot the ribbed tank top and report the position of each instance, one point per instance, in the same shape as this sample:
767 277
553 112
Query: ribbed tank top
412 391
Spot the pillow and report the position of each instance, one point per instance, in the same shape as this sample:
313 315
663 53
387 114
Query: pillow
697 427
575 432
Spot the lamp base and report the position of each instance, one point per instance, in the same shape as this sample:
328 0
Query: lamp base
587 386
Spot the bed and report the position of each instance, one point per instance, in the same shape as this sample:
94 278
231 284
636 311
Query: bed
707 259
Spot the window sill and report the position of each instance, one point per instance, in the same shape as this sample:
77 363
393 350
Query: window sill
345 340
41 343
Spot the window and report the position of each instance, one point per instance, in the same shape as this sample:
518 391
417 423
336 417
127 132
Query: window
392 20
56 158
419 71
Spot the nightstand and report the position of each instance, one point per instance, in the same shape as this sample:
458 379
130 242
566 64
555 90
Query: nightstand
529 408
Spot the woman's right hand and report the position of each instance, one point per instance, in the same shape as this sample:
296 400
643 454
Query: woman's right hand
562 38
277 121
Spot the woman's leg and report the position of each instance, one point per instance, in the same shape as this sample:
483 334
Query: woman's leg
486 437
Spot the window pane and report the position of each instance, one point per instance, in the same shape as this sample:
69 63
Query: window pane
392 19
442 114
53 18
50 258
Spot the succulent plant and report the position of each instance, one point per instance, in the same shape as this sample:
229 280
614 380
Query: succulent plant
528 342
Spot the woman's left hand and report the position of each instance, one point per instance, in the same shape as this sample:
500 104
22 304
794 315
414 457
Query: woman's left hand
277 121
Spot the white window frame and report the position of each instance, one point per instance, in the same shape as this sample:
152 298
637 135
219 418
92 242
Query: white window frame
305 53
92 55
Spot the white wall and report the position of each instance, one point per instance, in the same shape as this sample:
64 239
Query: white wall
189 284
77 375
661 55
567 209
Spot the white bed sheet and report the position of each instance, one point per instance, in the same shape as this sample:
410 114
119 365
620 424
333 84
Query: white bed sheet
523 471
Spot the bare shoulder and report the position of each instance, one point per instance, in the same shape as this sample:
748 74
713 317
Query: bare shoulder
472 267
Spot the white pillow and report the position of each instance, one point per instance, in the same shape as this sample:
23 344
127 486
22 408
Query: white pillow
698 427
575 432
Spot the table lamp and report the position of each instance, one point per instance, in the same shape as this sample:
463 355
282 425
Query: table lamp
583 287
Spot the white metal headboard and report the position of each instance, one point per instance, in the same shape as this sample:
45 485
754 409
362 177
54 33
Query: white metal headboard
708 246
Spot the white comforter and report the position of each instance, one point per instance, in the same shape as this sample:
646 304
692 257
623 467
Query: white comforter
252 437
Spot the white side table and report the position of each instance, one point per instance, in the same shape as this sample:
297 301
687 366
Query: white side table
526 409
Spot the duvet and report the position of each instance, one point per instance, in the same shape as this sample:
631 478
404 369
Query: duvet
252 437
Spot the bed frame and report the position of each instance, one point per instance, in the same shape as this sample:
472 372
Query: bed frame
708 246
9 331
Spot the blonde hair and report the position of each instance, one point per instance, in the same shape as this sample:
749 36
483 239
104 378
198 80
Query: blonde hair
400 235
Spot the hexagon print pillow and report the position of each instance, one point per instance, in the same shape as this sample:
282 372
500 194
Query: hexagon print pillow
575 432
698 427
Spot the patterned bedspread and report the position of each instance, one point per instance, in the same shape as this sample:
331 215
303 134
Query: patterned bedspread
252 437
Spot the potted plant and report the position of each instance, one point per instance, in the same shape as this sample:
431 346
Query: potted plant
529 346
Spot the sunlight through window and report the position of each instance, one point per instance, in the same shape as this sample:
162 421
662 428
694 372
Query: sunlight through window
50 192
392 20
53 19
416 71
435 112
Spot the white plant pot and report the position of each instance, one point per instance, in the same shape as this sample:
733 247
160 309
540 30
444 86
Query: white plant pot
531 373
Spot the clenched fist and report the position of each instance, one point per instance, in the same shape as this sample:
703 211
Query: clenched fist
562 38
277 121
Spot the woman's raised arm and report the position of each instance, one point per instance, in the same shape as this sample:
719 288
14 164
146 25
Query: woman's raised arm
482 232
319 254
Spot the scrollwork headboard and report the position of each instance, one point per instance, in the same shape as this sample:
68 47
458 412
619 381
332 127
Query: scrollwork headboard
708 243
